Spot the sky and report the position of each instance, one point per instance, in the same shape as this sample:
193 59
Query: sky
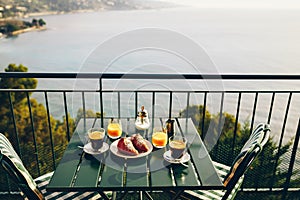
272 4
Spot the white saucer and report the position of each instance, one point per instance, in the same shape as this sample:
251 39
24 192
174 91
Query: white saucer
142 126
185 158
88 149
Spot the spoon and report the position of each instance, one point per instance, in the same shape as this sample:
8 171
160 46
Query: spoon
177 160
81 147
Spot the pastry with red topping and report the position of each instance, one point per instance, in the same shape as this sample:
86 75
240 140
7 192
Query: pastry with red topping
139 143
126 146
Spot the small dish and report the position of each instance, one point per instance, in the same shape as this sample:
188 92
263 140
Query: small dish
185 158
88 149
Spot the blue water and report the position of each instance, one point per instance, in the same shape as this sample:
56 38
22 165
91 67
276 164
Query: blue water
236 41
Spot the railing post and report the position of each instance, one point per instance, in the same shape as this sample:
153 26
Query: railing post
101 102
83 110
187 105
237 114
136 104
18 149
281 137
36 152
219 131
254 112
203 117
170 105
292 162
153 108
50 131
67 115
271 107
119 105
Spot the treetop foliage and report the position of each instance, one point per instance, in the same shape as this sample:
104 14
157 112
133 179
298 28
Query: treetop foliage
21 113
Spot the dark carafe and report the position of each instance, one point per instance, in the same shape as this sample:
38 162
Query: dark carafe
170 127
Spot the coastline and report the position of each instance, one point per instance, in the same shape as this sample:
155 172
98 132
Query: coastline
45 13
38 14
15 33
145 6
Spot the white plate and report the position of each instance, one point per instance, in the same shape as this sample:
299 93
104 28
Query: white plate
88 149
114 150
185 158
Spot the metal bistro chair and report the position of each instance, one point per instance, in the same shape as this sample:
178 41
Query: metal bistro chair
33 189
232 177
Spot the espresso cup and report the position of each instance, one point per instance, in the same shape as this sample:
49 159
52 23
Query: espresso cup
96 137
177 145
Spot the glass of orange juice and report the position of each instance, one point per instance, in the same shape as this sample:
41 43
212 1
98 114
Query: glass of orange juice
114 129
159 137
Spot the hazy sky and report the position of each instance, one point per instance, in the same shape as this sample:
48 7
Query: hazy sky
273 4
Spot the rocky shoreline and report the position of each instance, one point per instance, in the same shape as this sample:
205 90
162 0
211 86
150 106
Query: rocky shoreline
14 27
15 33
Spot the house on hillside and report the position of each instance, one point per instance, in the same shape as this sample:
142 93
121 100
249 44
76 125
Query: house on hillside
1 11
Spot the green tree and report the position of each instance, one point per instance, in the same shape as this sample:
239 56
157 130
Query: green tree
41 130
16 83
17 98
11 28
88 113
41 22
34 22
196 114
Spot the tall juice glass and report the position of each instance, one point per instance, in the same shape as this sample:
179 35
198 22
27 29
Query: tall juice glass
114 129
159 138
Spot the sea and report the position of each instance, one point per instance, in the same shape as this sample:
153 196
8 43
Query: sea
181 39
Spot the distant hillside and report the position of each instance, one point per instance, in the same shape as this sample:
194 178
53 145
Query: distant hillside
20 8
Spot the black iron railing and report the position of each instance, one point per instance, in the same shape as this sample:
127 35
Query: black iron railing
283 116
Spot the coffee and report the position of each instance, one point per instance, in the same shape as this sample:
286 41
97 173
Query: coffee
96 137
177 148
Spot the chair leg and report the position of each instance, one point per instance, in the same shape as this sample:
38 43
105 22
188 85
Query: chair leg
114 195
141 195
148 195
120 197
177 194
103 195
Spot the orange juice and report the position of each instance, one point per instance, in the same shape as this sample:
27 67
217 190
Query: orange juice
114 130
159 139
